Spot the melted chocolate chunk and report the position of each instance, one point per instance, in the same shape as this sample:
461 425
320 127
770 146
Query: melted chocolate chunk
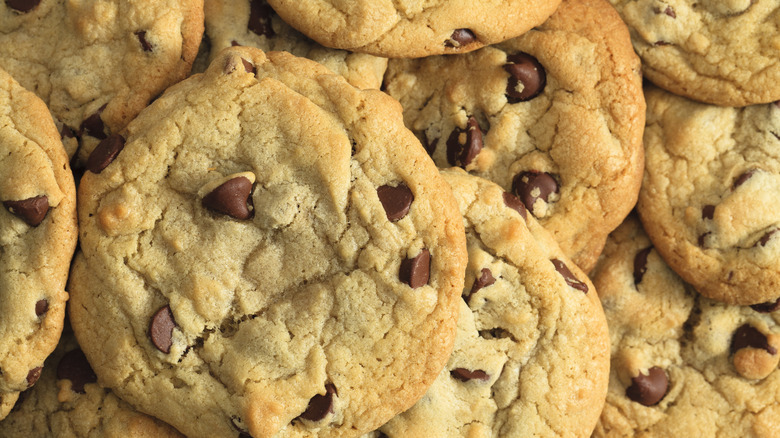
41 307
93 125
567 275
248 66
416 271
22 5
485 279
532 185
465 375
396 201
260 18
769 306
74 367
33 376
161 329
462 154
640 264
66 132
320 405
527 77
516 204
744 177
648 389
105 153
32 210
708 212
460 38
232 198
141 34
765 238
749 336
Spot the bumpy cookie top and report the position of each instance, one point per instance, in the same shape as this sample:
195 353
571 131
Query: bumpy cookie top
682 365
254 23
710 195
531 354
716 51
412 28
98 63
269 251
556 116
38 234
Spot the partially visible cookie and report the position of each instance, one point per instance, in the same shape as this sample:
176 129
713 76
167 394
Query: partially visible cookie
254 23
682 365
38 234
719 52
412 29
97 64
268 250
710 195
531 354
556 116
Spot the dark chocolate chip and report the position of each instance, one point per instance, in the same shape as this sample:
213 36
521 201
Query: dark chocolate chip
93 125
769 306
702 239
33 376
485 279
74 367
22 5
749 336
640 264
461 154
396 201
532 185
233 198
765 238
32 210
66 132
708 212
567 275
668 11
320 405
141 34
41 307
248 66
260 18
465 375
527 77
416 271
161 329
105 153
648 389
460 38
235 43
744 177
516 204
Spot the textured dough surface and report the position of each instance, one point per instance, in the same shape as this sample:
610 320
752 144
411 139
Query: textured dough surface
304 294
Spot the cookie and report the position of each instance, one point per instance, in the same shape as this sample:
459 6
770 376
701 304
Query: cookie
97 64
722 53
682 364
267 250
254 23
38 233
710 195
556 116
412 29
531 355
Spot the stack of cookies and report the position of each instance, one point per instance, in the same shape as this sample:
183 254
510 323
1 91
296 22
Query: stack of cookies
299 218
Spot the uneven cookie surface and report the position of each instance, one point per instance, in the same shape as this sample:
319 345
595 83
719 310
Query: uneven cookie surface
38 234
532 349
411 29
254 23
97 64
556 116
682 365
710 195
720 52
257 257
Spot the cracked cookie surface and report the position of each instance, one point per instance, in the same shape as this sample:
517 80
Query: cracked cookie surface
719 52
555 115
710 195
38 234
412 28
258 257
682 364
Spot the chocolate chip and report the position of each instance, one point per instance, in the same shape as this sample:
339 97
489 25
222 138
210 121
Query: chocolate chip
640 264
320 405
668 11
662 43
396 201
141 34
233 198
703 239
765 238
415 272
532 185
234 43
41 307
74 367
248 66
22 5
93 125
260 18
648 389
749 336
461 154
769 306
66 132
32 210
105 153
744 177
485 279
516 204
708 212
161 329
460 38
567 275
33 376
465 375
527 77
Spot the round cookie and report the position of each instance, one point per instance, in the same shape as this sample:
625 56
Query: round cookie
682 365
97 64
556 116
412 29
254 23
710 195
531 355
719 52
256 258
38 233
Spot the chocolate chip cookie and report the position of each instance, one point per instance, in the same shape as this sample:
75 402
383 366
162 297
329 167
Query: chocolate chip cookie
555 116
682 365
267 250
719 52
38 234
531 354
710 195
412 29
